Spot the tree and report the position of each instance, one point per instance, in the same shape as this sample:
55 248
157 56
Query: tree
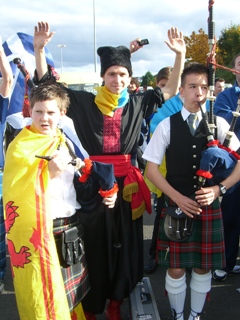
197 47
228 46
148 79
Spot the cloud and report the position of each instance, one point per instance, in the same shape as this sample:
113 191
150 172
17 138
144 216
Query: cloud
116 22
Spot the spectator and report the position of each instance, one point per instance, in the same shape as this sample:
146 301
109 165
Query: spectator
134 85
134 88
163 76
219 86
183 152
5 90
108 125
226 103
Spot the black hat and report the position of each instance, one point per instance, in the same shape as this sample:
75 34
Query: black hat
114 56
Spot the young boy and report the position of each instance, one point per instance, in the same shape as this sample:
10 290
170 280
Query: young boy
38 194
204 250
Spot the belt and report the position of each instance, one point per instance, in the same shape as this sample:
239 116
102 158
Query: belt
65 221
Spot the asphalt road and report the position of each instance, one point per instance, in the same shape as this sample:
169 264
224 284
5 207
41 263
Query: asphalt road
224 301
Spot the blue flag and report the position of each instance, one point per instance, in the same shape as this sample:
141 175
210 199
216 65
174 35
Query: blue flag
20 45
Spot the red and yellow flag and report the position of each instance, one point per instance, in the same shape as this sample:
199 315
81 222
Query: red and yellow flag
37 278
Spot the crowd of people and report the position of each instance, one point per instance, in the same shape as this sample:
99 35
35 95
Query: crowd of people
76 239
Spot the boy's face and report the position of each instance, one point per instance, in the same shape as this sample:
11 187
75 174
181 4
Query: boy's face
194 90
116 79
45 116
162 83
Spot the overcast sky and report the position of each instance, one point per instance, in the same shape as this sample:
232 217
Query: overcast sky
117 22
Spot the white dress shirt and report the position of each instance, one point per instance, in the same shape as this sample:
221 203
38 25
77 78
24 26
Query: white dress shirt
62 192
160 140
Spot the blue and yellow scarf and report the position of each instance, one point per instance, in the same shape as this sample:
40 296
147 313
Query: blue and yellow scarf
107 102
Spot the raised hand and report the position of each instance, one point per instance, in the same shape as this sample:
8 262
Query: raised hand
42 35
176 41
134 45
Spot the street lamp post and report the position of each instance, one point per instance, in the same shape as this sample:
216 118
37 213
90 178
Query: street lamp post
61 46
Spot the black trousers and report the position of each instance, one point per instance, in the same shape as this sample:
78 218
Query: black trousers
153 245
230 206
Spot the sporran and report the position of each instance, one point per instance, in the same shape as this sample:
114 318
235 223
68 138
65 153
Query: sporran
177 225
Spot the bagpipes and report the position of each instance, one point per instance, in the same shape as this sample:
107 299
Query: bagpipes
217 160
28 83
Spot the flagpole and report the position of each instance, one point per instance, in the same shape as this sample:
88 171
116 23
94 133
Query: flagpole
94 37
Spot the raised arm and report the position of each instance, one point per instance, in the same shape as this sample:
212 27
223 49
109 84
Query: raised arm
134 45
175 43
42 36
6 71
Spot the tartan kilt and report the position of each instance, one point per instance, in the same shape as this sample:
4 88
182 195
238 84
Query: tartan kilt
204 249
75 277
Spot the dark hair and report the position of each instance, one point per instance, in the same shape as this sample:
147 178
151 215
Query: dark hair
50 91
234 60
191 68
163 73
135 81
219 79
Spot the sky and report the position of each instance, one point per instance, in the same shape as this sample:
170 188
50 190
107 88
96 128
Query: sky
84 25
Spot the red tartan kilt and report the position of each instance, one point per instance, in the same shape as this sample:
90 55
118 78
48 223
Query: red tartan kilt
205 247
75 277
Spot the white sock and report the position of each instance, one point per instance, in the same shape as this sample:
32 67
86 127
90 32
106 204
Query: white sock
200 285
176 289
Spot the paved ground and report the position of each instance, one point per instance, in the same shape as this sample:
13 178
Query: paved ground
224 300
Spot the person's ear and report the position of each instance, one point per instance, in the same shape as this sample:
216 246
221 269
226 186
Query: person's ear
63 112
181 92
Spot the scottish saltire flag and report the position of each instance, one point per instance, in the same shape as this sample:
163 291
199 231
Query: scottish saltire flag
20 45
68 128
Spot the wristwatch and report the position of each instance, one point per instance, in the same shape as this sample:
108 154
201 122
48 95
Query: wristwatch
222 189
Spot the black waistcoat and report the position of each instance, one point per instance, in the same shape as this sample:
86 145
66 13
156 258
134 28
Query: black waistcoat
184 154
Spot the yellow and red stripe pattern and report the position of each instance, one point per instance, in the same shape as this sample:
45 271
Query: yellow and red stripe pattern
37 278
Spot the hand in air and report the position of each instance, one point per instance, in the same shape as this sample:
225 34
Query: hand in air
134 45
42 35
176 41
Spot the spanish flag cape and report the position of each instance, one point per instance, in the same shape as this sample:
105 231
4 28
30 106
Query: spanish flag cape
37 277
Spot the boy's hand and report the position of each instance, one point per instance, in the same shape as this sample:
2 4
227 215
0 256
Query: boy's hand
175 41
42 35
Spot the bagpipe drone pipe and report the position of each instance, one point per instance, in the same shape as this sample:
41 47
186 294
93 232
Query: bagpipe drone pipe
217 160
